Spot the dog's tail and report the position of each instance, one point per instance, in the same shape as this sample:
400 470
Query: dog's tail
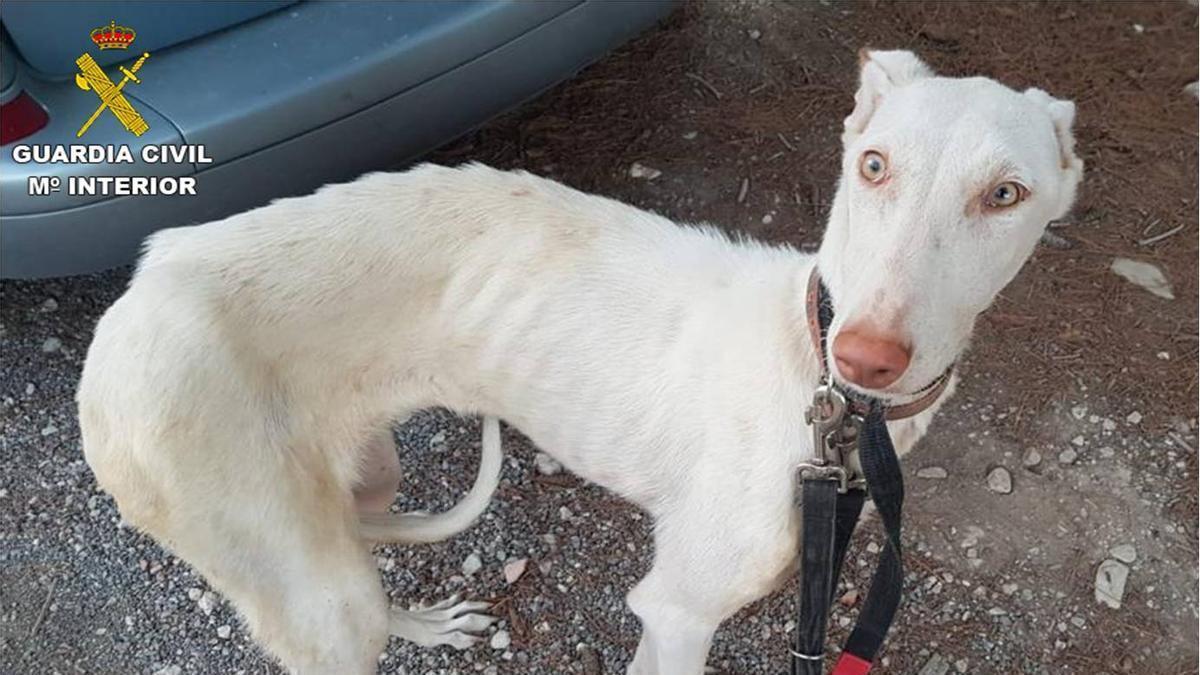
420 528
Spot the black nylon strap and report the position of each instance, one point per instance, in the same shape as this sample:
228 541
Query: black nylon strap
819 499
849 508
882 470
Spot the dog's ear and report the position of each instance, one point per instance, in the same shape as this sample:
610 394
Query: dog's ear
1062 115
881 72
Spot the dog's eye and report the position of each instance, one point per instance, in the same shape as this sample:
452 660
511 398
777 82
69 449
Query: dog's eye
1004 195
873 166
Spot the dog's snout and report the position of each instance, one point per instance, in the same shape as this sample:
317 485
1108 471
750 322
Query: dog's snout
868 360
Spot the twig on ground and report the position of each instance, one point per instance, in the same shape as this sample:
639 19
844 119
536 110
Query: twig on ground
706 84
743 190
1181 440
1159 237
785 142
41 616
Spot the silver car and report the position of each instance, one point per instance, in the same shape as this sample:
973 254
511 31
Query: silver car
244 102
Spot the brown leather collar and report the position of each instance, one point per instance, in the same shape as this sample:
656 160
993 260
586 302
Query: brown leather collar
926 395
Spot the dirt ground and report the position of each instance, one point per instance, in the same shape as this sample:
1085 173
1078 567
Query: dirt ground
739 105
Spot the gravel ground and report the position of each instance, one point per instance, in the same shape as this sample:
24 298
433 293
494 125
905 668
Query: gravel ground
1054 457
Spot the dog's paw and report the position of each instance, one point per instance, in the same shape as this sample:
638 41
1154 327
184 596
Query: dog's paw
459 624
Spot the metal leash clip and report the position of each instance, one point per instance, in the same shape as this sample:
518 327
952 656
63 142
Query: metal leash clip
835 436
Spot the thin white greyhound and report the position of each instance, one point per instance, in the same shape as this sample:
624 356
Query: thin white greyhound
237 400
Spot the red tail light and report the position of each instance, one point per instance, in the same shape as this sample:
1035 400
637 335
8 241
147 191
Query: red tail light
21 117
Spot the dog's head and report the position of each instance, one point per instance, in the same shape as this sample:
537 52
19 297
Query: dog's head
947 185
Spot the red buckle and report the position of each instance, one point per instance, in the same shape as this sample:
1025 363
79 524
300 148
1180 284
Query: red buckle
849 664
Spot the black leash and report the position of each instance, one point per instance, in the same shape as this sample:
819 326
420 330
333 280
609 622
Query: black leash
832 500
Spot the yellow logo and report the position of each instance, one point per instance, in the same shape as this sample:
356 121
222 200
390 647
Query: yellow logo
91 77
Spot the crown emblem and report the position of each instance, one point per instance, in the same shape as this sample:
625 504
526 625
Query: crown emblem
113 36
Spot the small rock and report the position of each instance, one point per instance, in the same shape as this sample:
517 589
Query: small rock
590 661
1031 458
169 670
754 33
49 430
1163 356
514 569
1108 425
500 640
224 632
690 135
999 480
1110 583
471 565
1009 589
51 344
1134 417
1126 553
932 472
1107 452
49 305
1078 441
639 170
546 465
961 665
1067 456
564 513
974 534
206 602
768 219
1078 621
936 665
30 388
1191 88
194 594
437 439
872 547
1079 412
1055 241
849 598
1145 275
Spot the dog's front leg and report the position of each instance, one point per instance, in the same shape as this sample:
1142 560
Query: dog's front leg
711 558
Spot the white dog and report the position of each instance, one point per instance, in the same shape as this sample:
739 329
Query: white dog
237 400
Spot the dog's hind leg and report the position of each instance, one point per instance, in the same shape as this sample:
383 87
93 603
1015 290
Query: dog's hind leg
280 541
381 474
